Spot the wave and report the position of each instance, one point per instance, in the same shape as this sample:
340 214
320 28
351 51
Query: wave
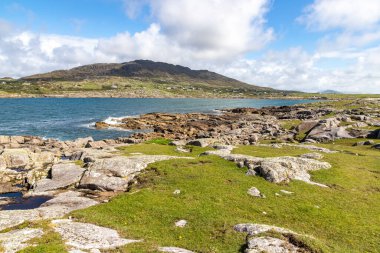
112 121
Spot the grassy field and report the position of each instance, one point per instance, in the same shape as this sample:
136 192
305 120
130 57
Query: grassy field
213 198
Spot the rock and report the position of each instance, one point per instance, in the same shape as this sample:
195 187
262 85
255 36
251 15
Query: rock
174 250
81 142
62 176
306 126
4 139
181 223
16 158
286 192
203 142
96 144
56 207
251 172
283 169
85 236
17 240
376 146
114 174
270 244
179 143
314 155
253 191
255 229
176 192
322 134
182 149
94 180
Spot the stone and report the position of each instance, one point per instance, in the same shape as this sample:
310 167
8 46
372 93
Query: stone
270 244
81 142
174 250
4 139
94 180
306 126
253 191
283 169
255 229
202 142
85 236
62 176
96 144
114 174
176 192
17 240
180 143
286 192
181 223
56 207
16 158
314 155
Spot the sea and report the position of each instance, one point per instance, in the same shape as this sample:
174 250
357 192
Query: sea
71 118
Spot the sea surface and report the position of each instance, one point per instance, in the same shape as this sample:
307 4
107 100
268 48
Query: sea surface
70 118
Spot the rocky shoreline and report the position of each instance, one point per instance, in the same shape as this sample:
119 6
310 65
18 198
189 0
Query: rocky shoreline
81 173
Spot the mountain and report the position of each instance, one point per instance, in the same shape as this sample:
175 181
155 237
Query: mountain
145 70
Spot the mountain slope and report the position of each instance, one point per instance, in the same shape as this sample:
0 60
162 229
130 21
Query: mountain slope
144 70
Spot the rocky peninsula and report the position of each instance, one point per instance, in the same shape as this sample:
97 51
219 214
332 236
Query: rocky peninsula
60 177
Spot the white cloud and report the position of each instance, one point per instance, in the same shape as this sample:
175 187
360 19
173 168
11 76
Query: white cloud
215 28
295 69
350 15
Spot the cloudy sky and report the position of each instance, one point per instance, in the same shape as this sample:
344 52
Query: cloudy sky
308 45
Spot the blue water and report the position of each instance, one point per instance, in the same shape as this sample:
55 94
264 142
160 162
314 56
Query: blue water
70 118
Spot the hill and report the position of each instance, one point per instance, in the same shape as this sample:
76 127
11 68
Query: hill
143 69
140 78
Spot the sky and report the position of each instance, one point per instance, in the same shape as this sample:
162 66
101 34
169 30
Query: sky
306 45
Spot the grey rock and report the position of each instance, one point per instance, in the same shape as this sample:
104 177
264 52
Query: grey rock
114 174
283 169
57 207
253 191
255 229
270 244
202 142
85 236
62 176
174 250
94 180
17 240
181 223
314 155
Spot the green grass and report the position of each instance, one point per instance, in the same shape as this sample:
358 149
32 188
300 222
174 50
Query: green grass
159 149
343 218
161 141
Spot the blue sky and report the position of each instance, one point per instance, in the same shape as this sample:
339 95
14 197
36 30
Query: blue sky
308 45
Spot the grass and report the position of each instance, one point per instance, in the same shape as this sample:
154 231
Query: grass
342 218
161 141
213 198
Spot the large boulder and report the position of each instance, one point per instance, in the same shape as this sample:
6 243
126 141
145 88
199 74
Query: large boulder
328 130
62 175
202 142
16 158
284 169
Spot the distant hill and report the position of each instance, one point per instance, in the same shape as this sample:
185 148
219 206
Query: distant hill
330 92
145 70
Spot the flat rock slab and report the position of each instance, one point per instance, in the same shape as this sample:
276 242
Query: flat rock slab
57 207
85 236
114 174
270 244
174 250
62 176
16 240
255 229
